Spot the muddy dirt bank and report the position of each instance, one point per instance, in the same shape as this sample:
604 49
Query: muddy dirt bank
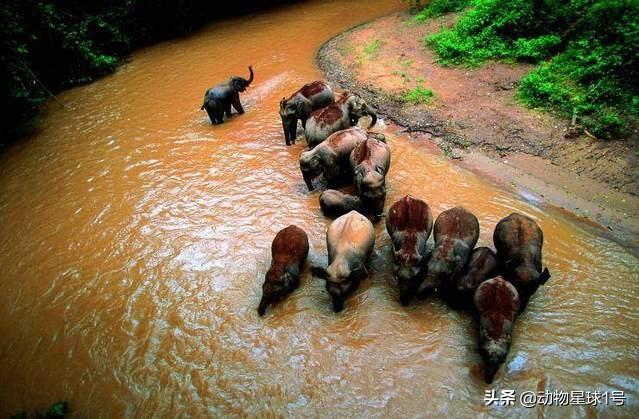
475 119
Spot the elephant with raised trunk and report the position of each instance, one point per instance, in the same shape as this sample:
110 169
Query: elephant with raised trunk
299 105
218 99
342 114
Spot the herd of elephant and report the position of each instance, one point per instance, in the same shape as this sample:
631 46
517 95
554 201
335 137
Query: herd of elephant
495 285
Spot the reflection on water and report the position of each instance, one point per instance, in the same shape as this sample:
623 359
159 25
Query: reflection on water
136 237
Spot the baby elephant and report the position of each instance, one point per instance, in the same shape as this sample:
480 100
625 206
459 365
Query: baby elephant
370 161
456 232
409 224
331 157
481 266
350 240
518 240
218 99
299 105
497 303
289 251
335 203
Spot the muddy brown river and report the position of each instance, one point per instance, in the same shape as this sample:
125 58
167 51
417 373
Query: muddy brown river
135 238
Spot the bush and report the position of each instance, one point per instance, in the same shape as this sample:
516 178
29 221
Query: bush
588 49
441 7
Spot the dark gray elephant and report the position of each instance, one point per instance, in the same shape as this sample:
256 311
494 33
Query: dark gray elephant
218 99
299 105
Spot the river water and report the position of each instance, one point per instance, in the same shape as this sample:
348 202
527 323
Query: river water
135 238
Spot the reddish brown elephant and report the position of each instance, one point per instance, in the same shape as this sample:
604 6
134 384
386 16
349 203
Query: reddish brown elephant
481 266
370 161
289 251
409 224
456 232
518 240
344 113
497 303
299 105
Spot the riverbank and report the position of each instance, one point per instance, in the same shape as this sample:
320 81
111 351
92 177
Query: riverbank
473 117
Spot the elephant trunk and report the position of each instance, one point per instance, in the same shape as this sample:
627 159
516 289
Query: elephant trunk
373 116
308 179
250 80
261 310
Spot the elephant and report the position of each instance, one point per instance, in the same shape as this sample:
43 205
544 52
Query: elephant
331 157
370 161
350 240
342 114
218 99
335 203
456 233
299 105
289 251
482 265
497 304
409 223
518 240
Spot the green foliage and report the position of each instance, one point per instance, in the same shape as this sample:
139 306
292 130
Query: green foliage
591 48
441 7
419 95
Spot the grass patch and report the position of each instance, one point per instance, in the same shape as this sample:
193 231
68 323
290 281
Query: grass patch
372 49
419 95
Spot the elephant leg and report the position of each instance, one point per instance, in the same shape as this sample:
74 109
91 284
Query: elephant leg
219 116
227 110
211 115
237 105
303 123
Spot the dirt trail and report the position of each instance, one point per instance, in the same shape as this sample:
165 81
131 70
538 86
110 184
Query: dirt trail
474 117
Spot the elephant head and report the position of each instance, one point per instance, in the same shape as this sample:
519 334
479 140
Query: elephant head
407 271
341 281
240 84
311 167
275 288
290 111
357 108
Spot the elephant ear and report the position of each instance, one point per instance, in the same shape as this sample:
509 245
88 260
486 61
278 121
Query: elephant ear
303 108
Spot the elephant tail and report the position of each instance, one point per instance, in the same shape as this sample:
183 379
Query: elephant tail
202 108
